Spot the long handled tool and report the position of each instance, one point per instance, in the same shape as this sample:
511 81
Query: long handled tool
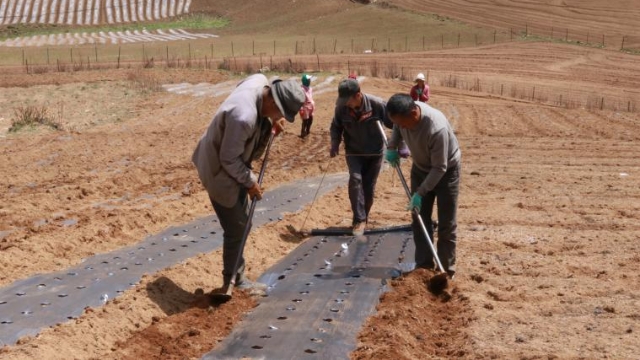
438 282
224 297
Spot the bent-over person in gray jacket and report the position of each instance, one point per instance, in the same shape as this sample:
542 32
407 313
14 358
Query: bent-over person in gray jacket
236 136
435 174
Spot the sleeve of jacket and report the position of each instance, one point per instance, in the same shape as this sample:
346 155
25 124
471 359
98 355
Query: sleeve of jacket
395 139
414 93
236 135
336 130
439 161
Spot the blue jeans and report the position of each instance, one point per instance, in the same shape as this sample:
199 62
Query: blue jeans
446 191
233 221
363 175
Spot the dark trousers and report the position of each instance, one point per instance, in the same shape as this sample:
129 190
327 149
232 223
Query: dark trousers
447 194
363 175
233 221
306 126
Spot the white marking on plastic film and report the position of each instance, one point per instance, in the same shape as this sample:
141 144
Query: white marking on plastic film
61 11
71 12
124 7
52 12
149 10
96 11
109 9
16 12
132 8
34 12
26 10
81 13
180 7
172 8
168 36
3 7
140 8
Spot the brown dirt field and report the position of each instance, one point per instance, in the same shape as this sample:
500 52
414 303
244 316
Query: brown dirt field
546 191
614 19
549 206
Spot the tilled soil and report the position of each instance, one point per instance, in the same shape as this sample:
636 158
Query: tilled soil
548 223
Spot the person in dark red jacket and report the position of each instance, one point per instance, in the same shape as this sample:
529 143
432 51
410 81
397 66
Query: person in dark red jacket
420 91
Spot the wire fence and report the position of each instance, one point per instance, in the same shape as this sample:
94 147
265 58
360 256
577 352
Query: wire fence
300 55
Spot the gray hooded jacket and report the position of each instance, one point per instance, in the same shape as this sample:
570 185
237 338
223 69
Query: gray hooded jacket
233 139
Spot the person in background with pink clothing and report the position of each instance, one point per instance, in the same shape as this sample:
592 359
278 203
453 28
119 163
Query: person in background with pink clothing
420 91
306 112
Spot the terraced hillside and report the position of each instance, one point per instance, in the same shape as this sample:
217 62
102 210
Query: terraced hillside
89 12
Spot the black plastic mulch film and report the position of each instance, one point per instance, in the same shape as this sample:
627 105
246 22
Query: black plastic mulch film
318 298
28 305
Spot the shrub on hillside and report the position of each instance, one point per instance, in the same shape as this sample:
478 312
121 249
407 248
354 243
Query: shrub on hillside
32 116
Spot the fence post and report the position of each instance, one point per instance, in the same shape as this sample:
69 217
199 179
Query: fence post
552 32
348 67
314 45
476 39
442 41
253 47
211 51
422 42
458 39
566 36
352 46
47 56
70 53
119 50
95 47
167 55
389 44
526 30
622 46
510 34
335 43
501 89
232 52
602 103
406 43
274 48
587 37
22 56
629 106
494 36
602 40
533 95
296 51
318 58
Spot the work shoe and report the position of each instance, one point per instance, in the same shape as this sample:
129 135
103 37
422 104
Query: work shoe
253 287
358 229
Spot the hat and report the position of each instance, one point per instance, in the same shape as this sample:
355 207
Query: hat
306 79
420 76
289 97
347 89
